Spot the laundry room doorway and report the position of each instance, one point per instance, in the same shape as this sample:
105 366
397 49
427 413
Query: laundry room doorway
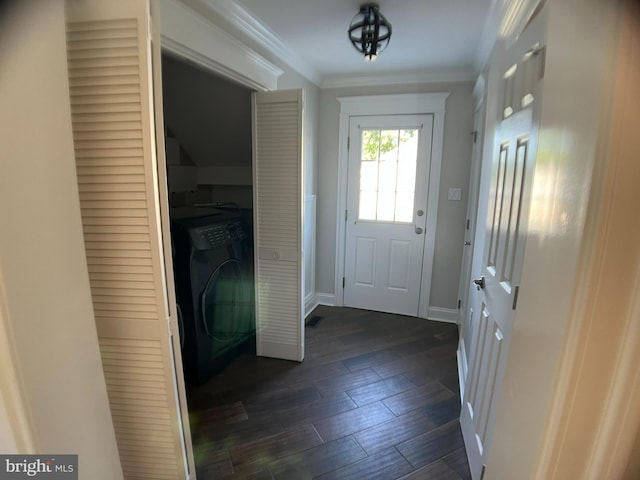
207 137
234 155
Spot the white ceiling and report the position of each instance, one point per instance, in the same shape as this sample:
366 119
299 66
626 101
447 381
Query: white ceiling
439 39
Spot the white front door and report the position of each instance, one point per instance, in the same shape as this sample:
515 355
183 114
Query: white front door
501 270
388 178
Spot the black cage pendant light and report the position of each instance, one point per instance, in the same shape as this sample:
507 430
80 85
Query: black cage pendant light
370 31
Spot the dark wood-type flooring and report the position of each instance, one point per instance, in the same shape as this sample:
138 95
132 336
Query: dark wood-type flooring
376 397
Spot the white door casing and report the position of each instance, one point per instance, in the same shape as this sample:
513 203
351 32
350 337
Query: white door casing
404 104
386 229
465 299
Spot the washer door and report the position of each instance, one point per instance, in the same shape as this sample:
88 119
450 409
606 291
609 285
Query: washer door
225 305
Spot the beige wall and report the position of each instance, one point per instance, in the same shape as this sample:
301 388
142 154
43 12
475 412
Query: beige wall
456 161
42 262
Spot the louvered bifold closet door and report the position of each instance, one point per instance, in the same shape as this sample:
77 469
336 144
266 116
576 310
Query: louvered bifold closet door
278 207
109 60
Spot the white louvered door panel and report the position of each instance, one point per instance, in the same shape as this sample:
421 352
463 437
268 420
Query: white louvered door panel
278 208
110 81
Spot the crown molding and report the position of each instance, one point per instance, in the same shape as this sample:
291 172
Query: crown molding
399 78
188 34
245 24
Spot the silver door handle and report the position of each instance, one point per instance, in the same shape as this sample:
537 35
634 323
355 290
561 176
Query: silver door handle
479 282
418 230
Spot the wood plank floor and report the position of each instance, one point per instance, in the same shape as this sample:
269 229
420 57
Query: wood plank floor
376 397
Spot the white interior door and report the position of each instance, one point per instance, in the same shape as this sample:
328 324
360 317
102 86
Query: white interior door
277 211
111 57
501 270
388 178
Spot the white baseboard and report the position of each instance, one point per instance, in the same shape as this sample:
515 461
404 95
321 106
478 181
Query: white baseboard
310 302
328 299
448 315
463 367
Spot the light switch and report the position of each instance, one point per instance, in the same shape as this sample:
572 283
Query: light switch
455 194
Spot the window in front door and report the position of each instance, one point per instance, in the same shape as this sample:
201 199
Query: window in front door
387 175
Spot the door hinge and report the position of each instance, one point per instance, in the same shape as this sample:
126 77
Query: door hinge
343 282
459 304
346 215
348 143
475 136
468 223
515 297
484 469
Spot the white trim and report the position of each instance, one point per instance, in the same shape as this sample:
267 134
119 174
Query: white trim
12 398
189 35
309 246
253 29
327 299
398 78
506 19
621 417
463 366
445 315
310 303
403 104
479 90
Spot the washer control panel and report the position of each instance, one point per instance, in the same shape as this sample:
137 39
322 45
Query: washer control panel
219 235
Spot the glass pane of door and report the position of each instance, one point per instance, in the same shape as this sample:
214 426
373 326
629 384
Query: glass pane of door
388 162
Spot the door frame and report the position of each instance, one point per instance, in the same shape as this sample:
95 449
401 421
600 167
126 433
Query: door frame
378 296
465 291
401 104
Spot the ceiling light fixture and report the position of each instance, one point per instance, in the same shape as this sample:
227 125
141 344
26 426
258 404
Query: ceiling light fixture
370 31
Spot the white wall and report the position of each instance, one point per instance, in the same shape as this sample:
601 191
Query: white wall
42 261
456 161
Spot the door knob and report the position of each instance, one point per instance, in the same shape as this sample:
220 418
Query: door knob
418 230
479 282
466 244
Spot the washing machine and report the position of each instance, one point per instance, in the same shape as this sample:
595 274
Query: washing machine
213 267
